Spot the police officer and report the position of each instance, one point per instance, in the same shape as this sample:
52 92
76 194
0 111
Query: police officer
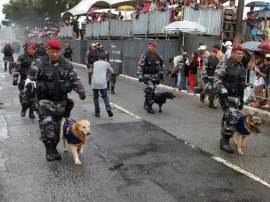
8 55
67 52
91 57
41 50
229 81
54 77
22 67
209 67
150 72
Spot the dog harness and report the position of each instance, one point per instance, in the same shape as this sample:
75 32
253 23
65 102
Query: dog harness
241 124
71 138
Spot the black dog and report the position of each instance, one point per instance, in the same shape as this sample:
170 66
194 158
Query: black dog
160 98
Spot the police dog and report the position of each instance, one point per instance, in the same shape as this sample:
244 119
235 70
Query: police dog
76 134
247 124
161 97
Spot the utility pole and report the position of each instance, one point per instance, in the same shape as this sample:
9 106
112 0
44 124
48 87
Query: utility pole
237 39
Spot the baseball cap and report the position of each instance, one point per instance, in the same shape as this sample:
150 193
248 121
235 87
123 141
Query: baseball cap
94 45
202 47
227 43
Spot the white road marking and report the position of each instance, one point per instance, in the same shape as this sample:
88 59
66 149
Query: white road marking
218 159
250 175
126 111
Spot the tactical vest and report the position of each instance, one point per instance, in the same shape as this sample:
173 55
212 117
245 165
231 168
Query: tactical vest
8 52
26 61
92 57
234 79
212 65
150 63
67 53
53 82
71 138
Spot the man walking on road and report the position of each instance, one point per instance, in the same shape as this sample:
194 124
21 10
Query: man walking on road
150 72
22 67
91 57
54 77
99 83
229 82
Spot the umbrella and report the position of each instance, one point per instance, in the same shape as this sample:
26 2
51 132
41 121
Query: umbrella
125 8
261 14
91 10
265 45
184 26
251 45
256 4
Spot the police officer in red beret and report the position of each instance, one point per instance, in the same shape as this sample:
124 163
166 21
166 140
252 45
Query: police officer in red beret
209 66
54 77
150 72
22 67
229 82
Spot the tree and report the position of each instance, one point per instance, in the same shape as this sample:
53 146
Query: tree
32 13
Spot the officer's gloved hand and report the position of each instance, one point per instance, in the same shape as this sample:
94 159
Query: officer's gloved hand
81 93
140 78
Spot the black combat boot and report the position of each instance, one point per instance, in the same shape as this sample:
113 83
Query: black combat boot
212 104
23 112
57 156
225 144
150 109
112 90
145 106
109 111
108 86
202 97
31 114
50 156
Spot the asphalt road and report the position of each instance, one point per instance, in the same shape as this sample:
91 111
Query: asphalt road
161 157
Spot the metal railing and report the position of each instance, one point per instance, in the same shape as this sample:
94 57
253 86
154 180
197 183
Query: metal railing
148 24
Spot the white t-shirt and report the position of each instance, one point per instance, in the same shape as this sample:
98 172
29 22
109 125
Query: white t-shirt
99 74
177 59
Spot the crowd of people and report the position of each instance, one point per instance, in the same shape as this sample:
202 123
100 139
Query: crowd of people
175 6
199 68
257 27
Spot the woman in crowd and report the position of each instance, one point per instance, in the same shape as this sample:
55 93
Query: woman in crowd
193 70
259 79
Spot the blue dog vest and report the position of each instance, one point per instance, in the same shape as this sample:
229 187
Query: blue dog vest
241 124
71 138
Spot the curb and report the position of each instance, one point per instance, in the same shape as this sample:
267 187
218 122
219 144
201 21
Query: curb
265 115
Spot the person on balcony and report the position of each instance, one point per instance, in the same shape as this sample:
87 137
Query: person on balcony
153 6
203 4
194 4
119 16
229 17
251 21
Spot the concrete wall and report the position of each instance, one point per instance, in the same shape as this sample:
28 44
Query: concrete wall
131 50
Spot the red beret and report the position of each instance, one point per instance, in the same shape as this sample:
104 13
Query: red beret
31 45
214 50
153 44
238 47
53 44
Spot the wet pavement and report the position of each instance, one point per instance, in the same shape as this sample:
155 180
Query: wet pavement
127 159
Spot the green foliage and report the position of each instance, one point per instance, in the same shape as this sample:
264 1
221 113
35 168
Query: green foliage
31 13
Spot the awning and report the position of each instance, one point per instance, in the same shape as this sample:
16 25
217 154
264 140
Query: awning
83 7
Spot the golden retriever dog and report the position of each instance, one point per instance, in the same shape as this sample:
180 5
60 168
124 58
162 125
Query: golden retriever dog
247 124
75 134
